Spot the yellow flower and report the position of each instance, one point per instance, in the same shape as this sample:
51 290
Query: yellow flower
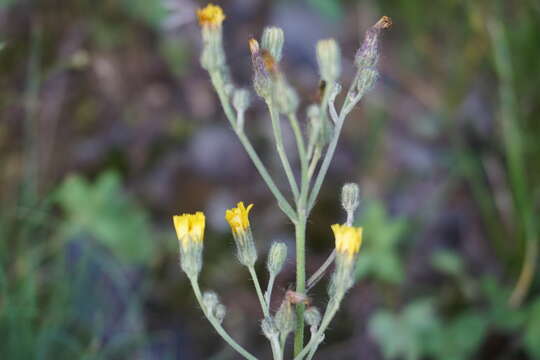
211 16
189 228
348 239
238 218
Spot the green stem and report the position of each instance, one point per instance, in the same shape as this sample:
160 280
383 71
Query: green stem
278 137
318 275
300 230
217 326
284 205
264 304
269 288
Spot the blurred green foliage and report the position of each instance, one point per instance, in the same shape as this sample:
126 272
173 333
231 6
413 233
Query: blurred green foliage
380 258
104 211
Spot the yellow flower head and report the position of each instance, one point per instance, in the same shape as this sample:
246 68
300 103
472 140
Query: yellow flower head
210 16
238 218
348 239
189 227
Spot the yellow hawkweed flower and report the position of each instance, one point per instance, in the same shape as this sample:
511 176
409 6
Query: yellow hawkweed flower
189 228
348 239
238 218
210 16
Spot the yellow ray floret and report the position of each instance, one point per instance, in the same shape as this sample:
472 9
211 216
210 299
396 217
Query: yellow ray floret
348 239
189 227
238 218
211 16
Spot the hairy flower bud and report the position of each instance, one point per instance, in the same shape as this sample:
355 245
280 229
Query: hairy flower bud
272 40
210 300
367 56
213 307
329 60
210 20
350 200
285 97
312 316
241 102
285 318
220 312
268 327
276 258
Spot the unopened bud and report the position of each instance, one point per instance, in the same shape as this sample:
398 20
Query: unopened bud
329 59
272 40
210 301
286 97
241 102
312 316
350 199
268 327
285 318
276 258
220 312
367 56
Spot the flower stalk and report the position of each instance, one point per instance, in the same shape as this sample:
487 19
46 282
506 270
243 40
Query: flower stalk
320 143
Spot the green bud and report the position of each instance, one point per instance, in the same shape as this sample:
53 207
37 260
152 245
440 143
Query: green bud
350 200
276 258
285 318
241 102
210 301
312 316
268 327
329 59
286 97
220 312
319 129
272 40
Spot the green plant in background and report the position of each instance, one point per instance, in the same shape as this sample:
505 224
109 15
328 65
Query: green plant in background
325 127
108 214
381 258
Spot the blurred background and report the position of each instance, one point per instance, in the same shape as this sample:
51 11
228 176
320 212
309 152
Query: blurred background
109 126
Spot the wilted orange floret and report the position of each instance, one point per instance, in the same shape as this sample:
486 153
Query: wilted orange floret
348 239
211 16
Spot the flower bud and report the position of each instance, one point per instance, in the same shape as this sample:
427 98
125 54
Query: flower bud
350 200
272 40
367 56
285 318
213 307
286 97
210 300
238 219
264 70
220 312
268 327
190 232
276 258
312 316
241 102
329 60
